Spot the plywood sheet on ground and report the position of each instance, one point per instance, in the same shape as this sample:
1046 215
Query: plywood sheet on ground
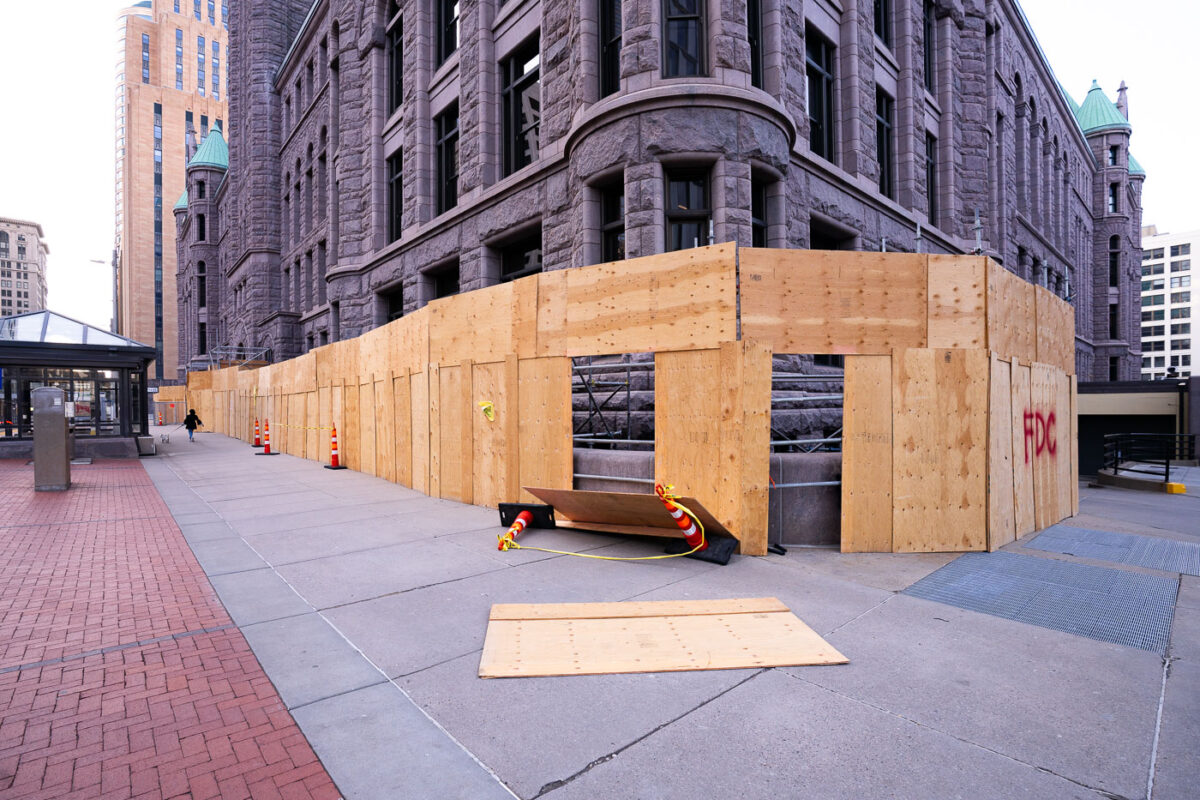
867 455
817 301
939 452
624 509
730 634
1001 520
957 301
675 301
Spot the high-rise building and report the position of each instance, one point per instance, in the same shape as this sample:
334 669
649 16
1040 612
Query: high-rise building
384 154
23 252
172 77
1167 302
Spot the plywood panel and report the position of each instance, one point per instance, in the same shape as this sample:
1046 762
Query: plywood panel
385 429
1065 457
524 324
1011 315
454 427
490 443
351 452
1042 431
867 455
1074 445
410 341
940 401
957 301
595 646
435 423
325 418
742 501
688 389
476 325
366 429
544 423
402 413
313 425
552 313
1022 450
817 301
419 403
675 301
1055 331
1001 517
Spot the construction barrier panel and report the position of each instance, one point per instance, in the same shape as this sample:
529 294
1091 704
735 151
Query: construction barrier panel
959 397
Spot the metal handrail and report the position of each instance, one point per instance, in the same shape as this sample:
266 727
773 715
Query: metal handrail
1132 452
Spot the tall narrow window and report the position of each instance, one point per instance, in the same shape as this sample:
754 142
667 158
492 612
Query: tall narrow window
610 47
1114 198
201 233
145 58
754 35
196 8
612 221
931 174
819 58
1114 261
1114 154
688 212
683 40
200 65
395 60
178 58
395 197
215 69
212 12
883 21
1114 368
1114 321
521 96
201 339
446 131
447 28
930 30
885 122
758 212
201 285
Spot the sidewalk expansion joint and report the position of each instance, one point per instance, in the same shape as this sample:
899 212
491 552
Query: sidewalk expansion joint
116 647
1102 792
308 703
554 785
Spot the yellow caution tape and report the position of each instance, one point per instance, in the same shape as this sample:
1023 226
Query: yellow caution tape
489 410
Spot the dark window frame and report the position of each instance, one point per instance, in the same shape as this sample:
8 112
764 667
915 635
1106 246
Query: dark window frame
760 217
446 150
680 21
612 221
610 32
820 70
394 48
931 177
395 192
518 81
754 36
675 219
885 142
447 33
883 22
929 28
511 268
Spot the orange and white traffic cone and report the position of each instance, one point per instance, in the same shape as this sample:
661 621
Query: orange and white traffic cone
160 418
266 451
333 459
257 437
695 538
519 524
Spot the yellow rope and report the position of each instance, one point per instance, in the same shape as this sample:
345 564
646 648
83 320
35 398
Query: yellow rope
508 543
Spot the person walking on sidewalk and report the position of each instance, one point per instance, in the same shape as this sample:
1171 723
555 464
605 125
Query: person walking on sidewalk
191 422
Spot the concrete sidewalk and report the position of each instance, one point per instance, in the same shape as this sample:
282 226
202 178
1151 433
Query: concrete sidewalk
367 604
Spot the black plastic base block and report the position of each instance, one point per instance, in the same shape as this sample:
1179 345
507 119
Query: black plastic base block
327 466
256 445
267 454
719 550
543 516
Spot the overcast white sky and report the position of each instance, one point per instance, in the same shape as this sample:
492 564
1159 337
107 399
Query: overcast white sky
57 73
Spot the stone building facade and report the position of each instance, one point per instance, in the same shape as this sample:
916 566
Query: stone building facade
387 152
23 252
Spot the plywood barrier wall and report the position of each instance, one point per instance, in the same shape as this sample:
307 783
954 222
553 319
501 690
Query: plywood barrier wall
930 340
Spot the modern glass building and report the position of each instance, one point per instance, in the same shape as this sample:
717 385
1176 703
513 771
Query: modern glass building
102 375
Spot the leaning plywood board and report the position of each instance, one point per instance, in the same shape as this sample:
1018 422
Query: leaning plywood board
817 301
603 639
600 511
939 451
1001 518
867 456
544 422
957 301
688 391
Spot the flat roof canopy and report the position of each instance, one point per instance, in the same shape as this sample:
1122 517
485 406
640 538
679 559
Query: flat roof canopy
45 338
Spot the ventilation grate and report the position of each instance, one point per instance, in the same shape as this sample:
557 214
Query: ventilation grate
1121 548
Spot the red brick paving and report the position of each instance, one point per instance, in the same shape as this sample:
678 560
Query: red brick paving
121 675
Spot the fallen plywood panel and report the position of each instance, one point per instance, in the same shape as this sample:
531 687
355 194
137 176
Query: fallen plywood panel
621 512
668 636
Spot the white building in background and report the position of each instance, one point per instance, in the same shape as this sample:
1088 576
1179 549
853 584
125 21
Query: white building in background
23 252
1167 302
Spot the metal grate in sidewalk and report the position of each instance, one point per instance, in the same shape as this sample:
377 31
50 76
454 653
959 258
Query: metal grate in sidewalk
1108 605
1121 548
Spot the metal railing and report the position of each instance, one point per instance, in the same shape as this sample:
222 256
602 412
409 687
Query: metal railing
1148 453
231 356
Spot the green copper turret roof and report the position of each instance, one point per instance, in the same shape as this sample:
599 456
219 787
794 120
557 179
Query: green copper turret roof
1135 168
212 153
1098 113
181 203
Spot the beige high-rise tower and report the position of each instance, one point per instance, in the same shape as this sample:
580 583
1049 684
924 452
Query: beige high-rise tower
23 252
171 86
